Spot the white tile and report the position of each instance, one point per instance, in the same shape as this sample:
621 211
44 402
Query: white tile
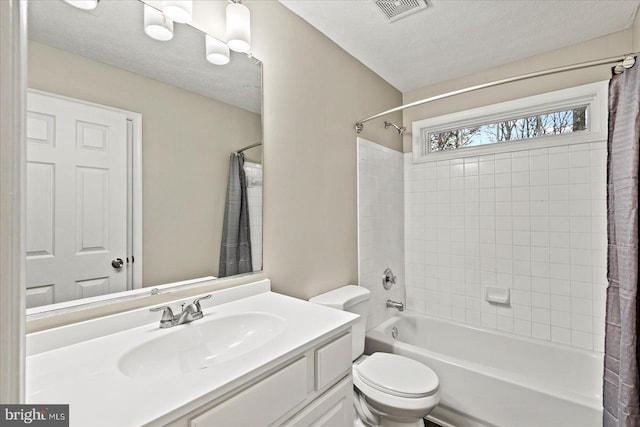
540 300
520 179
522 327
580 191
486 167
581 322
559 192
580 225
540 285
520 164
540 223
558 161
502 165
456 170
560 286
598 174
503 237
540 254
558 149
471 181
558 176
486 181
560 255
503 194
540 238
539 177
521 253
559 239
487 194
560 303
521 223
504 323
522 312
579 158
559 271
541 331
561 319
582 339
522 282
470 168
579 175
537 163
560 335
581 306
522 298
518 237
502 180
539 192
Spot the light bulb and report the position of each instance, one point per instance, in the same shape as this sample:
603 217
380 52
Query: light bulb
217 51
180 11
238 27
157 25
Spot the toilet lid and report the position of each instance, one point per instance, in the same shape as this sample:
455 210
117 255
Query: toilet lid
397 375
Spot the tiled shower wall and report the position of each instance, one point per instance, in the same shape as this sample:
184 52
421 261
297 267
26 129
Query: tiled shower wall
380 225
533 221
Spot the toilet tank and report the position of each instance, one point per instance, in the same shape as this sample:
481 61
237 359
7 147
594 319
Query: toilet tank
354 299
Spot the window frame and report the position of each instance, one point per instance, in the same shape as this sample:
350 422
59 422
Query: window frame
593 96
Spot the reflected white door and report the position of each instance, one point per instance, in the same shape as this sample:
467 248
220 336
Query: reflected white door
76 222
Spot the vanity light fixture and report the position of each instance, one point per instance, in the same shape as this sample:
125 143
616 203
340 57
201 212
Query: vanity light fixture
83 4
238 27
180 11
157 25
217 51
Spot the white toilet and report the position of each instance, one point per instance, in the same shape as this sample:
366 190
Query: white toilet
390 390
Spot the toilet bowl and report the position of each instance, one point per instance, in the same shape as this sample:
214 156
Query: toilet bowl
393 390
389 390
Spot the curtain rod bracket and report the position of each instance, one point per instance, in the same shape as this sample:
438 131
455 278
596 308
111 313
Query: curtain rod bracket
359 127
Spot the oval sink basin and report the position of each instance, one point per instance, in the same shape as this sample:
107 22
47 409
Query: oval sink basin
198 345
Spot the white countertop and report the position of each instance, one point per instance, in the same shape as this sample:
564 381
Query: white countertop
86 376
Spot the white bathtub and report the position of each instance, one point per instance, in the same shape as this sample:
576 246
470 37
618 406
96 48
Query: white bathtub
494 379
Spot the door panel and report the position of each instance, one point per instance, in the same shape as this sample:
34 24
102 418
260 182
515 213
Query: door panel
76 199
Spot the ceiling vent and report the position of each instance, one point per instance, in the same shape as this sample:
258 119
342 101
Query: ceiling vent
398 9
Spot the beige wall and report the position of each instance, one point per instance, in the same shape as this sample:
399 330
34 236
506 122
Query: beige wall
187 139
603 47
314 92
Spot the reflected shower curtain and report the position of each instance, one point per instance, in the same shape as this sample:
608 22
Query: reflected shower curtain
235 249
621 382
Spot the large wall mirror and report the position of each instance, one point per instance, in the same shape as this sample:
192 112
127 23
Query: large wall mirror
129 146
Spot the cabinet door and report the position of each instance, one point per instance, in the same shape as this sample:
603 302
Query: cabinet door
332 409
263 403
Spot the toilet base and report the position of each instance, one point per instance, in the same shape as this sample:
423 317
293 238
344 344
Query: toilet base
368 416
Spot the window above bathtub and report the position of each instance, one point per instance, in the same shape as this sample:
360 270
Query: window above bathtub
569 116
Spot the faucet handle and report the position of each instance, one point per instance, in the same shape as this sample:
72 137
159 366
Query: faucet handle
167 314
196 301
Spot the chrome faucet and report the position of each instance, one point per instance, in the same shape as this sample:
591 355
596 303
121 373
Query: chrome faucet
192 312
395 304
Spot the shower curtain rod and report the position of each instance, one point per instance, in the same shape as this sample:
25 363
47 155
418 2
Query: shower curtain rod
627 61
257 144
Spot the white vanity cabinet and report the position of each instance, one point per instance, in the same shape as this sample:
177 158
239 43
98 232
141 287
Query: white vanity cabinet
263 359
312 388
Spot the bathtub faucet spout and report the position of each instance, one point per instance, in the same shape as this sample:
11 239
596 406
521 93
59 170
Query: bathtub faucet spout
395 304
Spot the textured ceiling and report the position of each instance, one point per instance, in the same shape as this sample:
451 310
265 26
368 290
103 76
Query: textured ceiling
113 33
452 38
